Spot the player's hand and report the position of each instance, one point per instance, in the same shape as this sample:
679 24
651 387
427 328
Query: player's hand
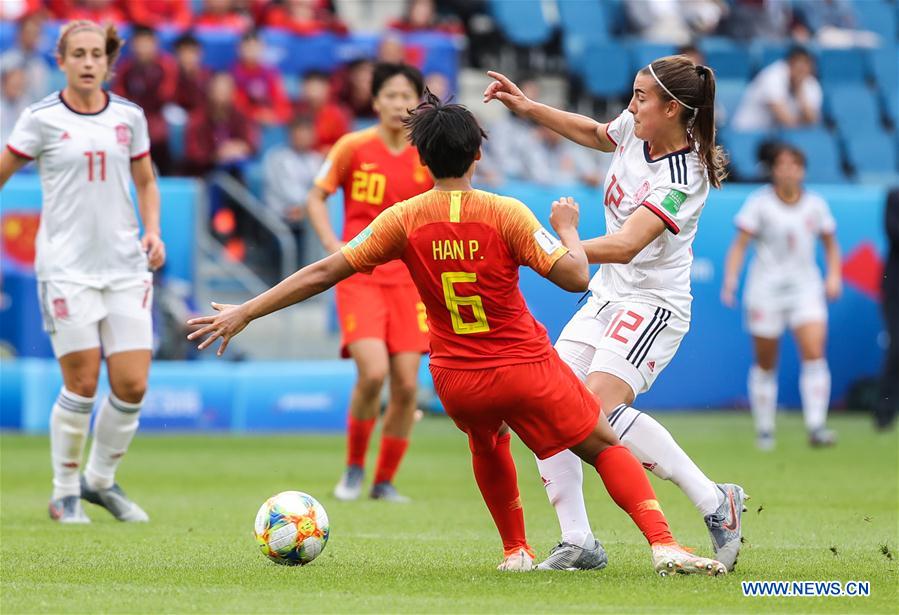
231 320
506 92
728 295
833 287
565 214
154 248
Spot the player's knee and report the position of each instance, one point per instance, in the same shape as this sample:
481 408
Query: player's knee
83 384
404 391
370 382
130 389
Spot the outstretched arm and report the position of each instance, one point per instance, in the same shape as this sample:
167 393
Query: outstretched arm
307 282
578 128
641 228
733 264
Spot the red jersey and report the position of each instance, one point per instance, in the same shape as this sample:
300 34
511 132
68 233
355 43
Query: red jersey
464 250
373 178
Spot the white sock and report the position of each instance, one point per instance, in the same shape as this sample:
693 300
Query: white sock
658 452
563 477
763 398
814 388
116 424
70 421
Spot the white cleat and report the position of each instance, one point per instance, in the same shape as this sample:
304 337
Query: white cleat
519 561
350 486
669 560
67 509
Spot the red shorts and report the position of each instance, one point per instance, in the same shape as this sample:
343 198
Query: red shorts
394 314
543 402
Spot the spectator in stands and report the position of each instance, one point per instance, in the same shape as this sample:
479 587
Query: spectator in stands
193 78
553 160
14 10
393 50
99 11
289 172
330 120
13 97
148 78
439 85
368 15
785 94
351 87
830 23
750 19
160 13
694 53
219 135
512 135
422 16
222 14
303 17
26 54
260 90
674 21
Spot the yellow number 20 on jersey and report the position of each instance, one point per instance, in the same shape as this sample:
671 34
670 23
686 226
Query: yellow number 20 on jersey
453 301
368 187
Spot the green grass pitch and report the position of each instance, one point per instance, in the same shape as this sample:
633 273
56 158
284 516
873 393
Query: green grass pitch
814 515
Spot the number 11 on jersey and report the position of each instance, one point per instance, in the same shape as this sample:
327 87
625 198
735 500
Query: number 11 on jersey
101 158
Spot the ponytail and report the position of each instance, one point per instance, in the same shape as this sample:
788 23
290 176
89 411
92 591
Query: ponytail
703 132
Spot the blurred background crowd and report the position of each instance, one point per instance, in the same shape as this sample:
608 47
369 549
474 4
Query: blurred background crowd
261 89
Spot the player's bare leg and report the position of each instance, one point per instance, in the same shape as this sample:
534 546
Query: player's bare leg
116 424
372 365
69 426
397 426
814 382
629 487
763 390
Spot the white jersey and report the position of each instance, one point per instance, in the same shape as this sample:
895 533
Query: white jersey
89 228
674 187
785 238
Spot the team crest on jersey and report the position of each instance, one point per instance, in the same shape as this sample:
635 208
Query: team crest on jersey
60 308
641 192
122 134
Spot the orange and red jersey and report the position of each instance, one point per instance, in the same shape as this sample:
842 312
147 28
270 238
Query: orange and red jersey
463 250
373 178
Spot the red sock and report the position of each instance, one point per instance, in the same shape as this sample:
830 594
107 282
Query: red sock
389 458
495 474
357 436
628 485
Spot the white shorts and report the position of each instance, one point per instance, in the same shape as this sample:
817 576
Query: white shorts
768 316
115 316
633 341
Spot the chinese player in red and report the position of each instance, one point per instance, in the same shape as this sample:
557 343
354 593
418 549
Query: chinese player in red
493 365
382 319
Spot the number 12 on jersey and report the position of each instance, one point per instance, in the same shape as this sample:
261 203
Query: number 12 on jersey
101 158
454 301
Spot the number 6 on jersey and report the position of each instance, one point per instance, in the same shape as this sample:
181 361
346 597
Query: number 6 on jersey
453 301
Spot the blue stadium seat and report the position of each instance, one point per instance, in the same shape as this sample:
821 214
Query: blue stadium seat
582 21
742 149
820 149
883 67
841 66
607 70
852 107
219 47
768 52
877 16
643 53
8 31
728 94
727 59
873 153
523 23
272 136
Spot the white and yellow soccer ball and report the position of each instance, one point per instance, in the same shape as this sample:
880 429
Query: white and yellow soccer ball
291 528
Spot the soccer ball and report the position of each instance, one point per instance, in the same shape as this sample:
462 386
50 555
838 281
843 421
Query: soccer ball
291 528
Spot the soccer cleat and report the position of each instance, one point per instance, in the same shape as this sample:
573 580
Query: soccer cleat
726 525
387 492
517 561
764 441
566 556
350 485
115 501
673 559
67 509
822 437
